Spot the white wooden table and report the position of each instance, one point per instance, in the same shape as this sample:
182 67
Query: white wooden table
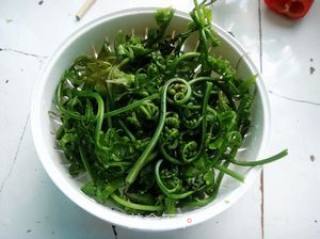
284 203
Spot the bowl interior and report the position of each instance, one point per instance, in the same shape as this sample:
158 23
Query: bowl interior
81 43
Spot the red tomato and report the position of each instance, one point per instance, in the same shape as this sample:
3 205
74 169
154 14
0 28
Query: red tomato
291 8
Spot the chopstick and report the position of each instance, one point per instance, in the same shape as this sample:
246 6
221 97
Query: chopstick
84 8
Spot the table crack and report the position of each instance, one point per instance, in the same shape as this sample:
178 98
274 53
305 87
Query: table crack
261 70
3 184
115 233
23 53
302 101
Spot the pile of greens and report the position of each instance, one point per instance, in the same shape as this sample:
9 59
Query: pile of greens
155 127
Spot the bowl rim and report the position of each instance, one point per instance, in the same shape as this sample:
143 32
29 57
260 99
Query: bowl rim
122 219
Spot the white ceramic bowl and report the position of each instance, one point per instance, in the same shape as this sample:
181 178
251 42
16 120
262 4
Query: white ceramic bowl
79 43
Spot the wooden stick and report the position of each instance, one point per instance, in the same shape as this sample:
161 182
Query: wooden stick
84 8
